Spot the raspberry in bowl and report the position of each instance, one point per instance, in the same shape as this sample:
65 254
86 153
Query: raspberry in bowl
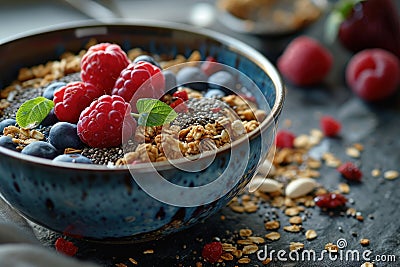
116 178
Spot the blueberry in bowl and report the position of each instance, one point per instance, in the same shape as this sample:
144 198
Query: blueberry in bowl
126 167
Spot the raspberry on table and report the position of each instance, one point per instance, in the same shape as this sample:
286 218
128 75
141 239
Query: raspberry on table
350 171
284 139
102 64
212 251
106 122
305 61
139 80
373 74
65 247
330 200
71 99
330 126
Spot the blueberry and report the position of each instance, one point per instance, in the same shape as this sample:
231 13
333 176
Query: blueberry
64 135
40 149
214 93
50 89
170 80
50 119
147 58
74 158
6 141
222 80
192 77
5 123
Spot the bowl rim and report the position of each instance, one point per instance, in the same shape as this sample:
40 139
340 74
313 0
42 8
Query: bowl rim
234 44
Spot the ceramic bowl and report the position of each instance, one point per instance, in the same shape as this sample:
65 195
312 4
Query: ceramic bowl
106 204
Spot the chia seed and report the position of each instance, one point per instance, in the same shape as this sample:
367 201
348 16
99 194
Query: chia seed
199 112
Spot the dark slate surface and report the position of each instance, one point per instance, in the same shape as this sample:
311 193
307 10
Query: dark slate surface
375 126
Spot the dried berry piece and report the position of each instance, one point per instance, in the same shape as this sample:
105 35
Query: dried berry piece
212 251
284 139
65 247
179 106
181 94
350 171
330 200
330 126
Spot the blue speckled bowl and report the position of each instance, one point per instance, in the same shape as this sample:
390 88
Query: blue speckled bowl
105 204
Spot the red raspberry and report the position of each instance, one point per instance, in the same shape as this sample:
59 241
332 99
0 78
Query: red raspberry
106 122
210 66
329 126
330 200
350 171
102 64
212 251
179 106
140 75
373 74
284 139
71 99
181 94
305 61
65 247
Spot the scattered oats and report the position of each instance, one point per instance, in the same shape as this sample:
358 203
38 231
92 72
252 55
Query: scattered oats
331 248
245 232
313 163
344 188
301 141
244 260
250 207
250 249
148 251
311 234
364 242
293 211
272 225
296 246
237 208
391 174
227 256
367 264
237 253
351 212
353 152
358 146
256 239
296 220
273 236
245 242
375 173
292 228
266 261
228 247
121 265
133 261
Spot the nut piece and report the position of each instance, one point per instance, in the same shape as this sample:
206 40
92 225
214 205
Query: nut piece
331 248
391 174
367 264
311 234
265 185
364 242
300 187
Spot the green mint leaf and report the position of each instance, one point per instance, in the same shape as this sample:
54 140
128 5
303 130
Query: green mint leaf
154 112
32 112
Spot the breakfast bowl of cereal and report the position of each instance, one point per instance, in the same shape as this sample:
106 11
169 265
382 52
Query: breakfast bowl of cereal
130 131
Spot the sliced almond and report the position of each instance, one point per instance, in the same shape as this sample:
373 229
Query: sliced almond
265 185
300 187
